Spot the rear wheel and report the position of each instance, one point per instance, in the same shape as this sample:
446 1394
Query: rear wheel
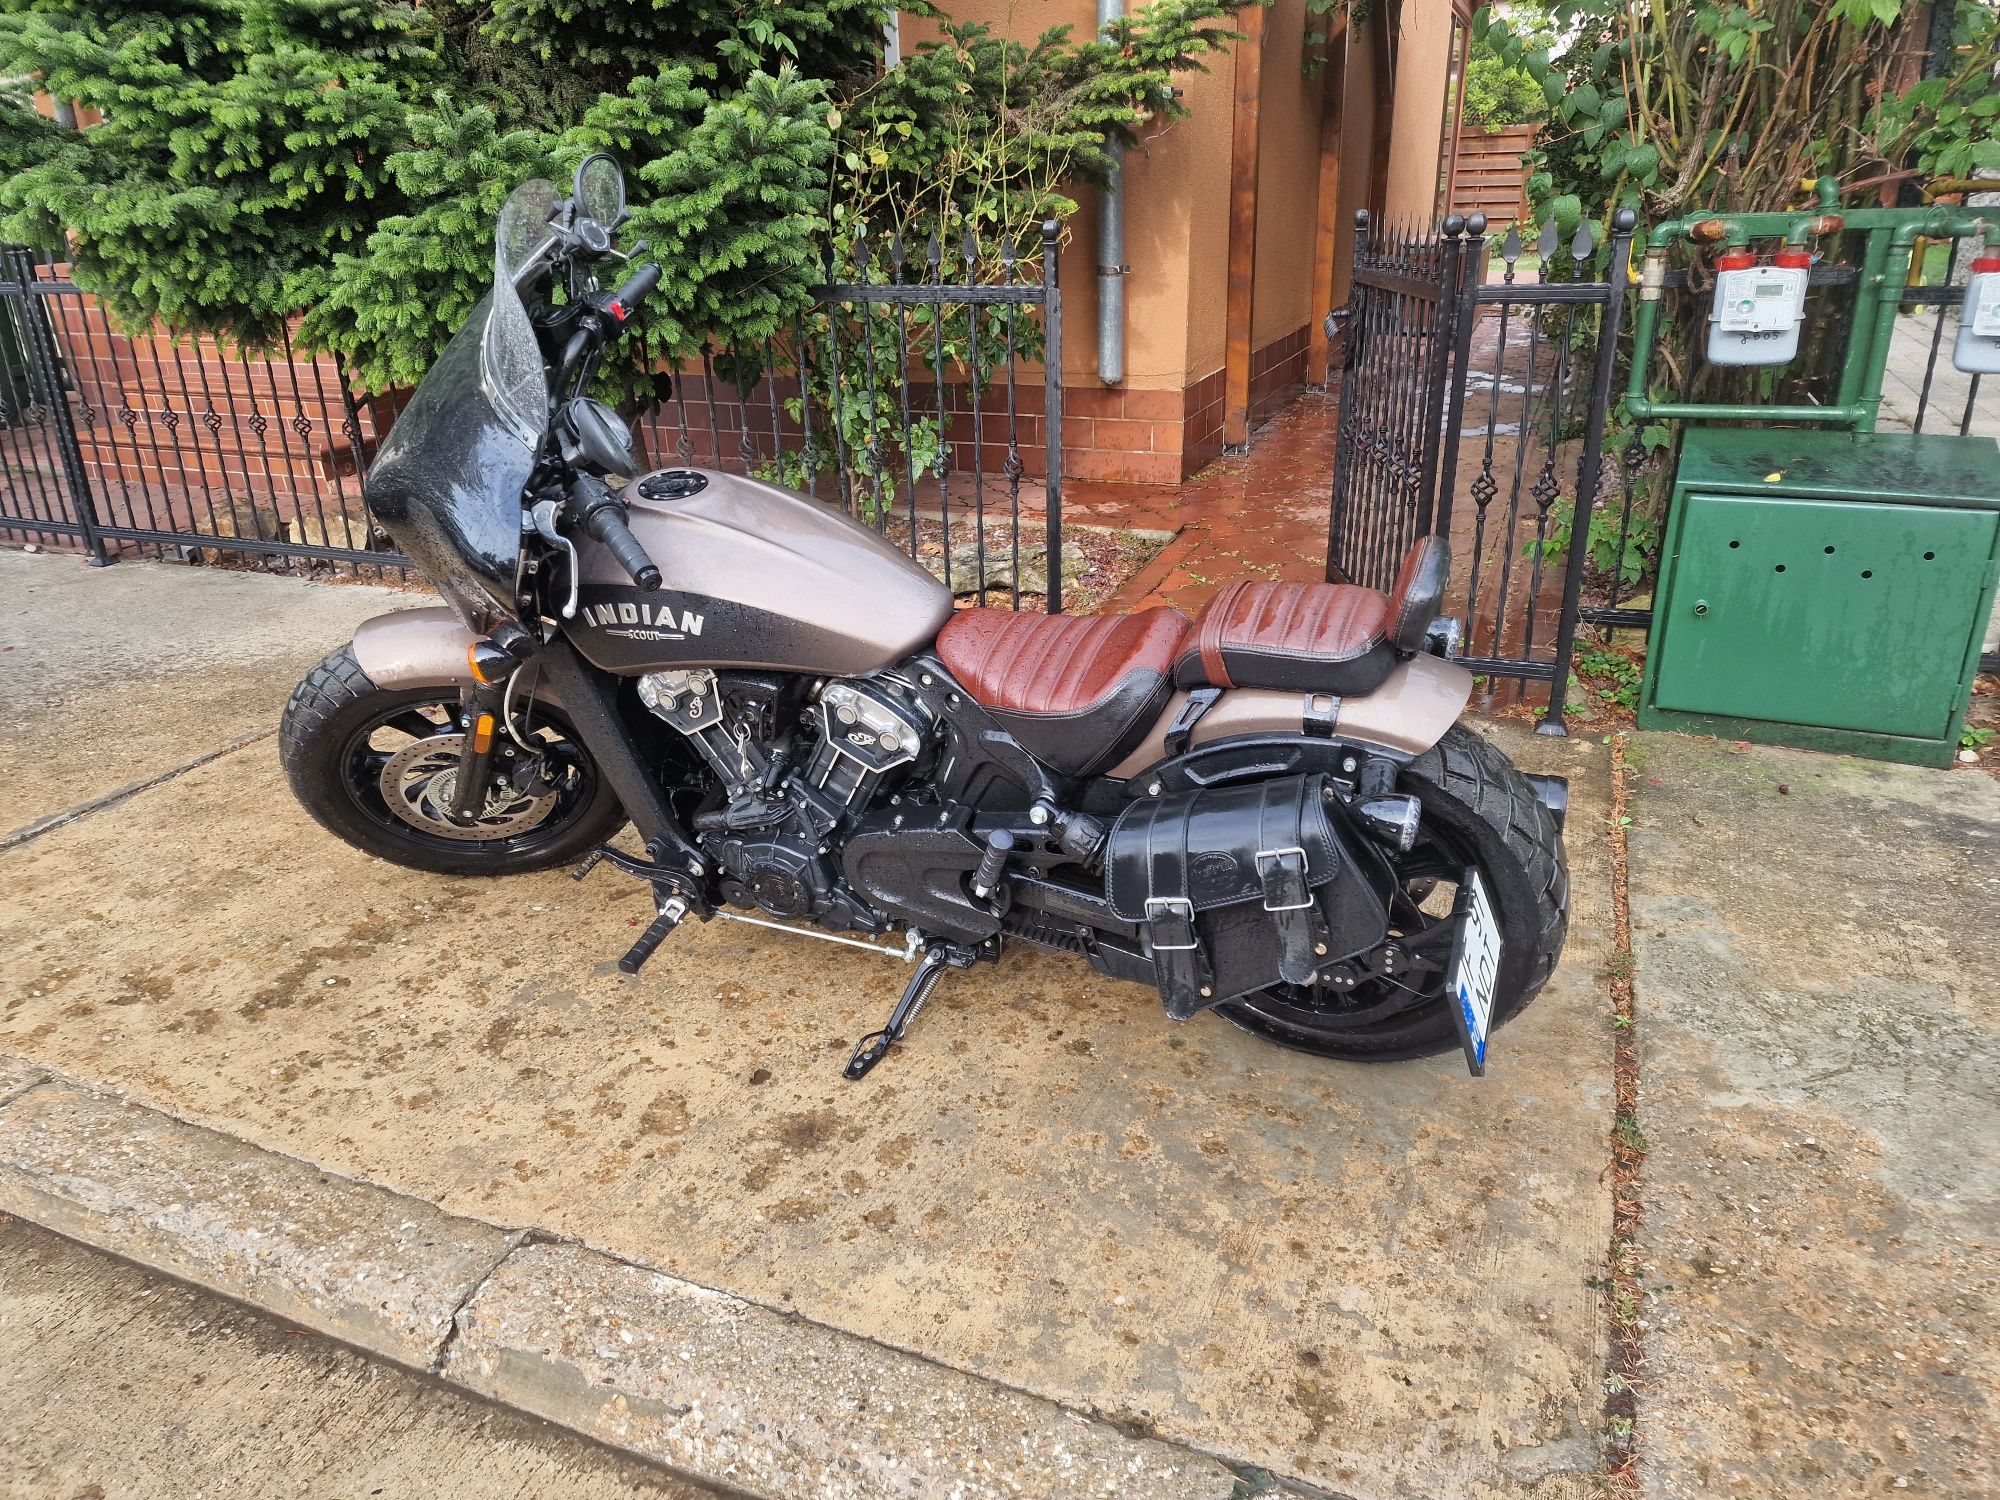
375 766
1478 812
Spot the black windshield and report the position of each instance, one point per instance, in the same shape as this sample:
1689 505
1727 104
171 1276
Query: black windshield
447 482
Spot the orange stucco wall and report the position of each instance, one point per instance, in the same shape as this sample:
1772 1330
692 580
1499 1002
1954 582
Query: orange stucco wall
1423 62
1287 178
1177 187
1175 183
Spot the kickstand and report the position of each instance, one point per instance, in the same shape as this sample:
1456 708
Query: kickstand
875 1046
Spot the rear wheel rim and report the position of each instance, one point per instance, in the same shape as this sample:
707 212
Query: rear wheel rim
398 766
1386 1013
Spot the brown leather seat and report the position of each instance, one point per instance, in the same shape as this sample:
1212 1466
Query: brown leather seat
1078 691
1315 637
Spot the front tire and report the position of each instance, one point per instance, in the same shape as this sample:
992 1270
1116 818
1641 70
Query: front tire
1478 810
371 765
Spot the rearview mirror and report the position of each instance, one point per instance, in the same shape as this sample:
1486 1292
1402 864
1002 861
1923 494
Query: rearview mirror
600 190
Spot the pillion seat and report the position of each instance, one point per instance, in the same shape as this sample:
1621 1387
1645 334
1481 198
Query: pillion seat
1079 691
1315 637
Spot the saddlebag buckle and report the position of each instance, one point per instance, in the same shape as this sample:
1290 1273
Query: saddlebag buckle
1171 917
1283 872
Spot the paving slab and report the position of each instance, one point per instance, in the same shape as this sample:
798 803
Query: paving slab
112 676
766 1403
120 1382
1816 940
17 1077
1377 1279
345 1258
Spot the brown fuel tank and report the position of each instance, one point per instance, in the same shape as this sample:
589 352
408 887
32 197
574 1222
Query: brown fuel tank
754 576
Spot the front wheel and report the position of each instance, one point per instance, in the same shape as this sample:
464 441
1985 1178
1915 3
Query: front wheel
375 767
1478 812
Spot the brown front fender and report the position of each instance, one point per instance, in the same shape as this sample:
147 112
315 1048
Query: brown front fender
421 648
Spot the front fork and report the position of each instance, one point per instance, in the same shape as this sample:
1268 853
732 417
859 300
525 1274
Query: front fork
480 712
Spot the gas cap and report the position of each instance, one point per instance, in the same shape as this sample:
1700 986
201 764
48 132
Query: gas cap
672 484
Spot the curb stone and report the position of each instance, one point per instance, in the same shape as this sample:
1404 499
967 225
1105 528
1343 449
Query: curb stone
724 1390
17 1077
363 1264
736 1392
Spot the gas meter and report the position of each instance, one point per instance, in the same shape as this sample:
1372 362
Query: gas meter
1755 315
1977 351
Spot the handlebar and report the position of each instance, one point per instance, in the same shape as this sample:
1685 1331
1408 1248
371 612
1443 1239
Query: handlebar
637 288
602 516
579 356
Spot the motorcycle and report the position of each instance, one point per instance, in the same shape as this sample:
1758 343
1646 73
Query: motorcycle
1269 811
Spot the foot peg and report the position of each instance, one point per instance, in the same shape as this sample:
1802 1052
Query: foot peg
875 1046
672 911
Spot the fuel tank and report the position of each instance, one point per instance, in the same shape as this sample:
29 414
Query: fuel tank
754 576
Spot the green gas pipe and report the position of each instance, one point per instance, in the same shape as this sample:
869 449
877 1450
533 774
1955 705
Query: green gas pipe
1892 232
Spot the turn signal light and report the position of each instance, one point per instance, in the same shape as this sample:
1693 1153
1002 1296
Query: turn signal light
488 664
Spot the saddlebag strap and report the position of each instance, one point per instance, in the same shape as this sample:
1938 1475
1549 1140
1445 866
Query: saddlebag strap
1288 897
1185 979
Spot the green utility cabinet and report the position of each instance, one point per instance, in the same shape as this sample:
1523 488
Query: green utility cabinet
1825 590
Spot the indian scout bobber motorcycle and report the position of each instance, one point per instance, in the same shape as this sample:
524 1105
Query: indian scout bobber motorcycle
1268 811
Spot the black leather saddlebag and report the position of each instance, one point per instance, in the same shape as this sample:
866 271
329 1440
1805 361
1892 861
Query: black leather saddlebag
1237 888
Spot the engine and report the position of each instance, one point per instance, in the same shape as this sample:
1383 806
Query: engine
866 732
792 774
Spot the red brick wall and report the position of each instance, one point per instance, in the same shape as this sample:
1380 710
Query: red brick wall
178 433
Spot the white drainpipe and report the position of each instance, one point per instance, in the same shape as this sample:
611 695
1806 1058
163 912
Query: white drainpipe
1111 246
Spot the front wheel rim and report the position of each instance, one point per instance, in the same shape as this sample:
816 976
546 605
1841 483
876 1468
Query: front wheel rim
397 768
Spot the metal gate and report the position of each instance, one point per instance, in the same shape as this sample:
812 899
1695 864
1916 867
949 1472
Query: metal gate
922 394
1475 408
155 446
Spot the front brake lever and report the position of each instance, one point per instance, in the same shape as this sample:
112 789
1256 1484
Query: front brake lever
542 515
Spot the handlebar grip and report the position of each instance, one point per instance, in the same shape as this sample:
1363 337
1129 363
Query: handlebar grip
637 288
606 522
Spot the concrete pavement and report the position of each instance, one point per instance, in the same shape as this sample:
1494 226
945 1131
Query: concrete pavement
113 677
119 1382
1817 940
1377 1280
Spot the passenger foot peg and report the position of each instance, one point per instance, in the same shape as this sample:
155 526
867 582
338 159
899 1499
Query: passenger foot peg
672 910
875 1046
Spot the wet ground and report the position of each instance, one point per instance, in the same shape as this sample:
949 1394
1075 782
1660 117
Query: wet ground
1378 1279
1816 940
121 1383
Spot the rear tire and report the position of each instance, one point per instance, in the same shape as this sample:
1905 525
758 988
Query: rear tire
1477 809
332 746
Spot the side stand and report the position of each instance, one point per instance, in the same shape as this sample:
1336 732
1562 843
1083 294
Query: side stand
875 1046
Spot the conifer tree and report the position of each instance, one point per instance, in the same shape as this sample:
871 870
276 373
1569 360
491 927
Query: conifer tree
242 141
343 160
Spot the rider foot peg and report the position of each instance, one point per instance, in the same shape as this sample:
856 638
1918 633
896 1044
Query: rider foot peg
649 940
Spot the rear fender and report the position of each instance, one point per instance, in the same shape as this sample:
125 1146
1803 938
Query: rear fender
422 648
1404 717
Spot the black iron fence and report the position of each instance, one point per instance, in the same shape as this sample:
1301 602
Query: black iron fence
922 393
1477 409
1479 402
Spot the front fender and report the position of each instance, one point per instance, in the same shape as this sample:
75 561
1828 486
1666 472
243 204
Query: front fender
415 648
426 647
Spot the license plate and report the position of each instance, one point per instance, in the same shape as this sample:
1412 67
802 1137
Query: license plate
1475 969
